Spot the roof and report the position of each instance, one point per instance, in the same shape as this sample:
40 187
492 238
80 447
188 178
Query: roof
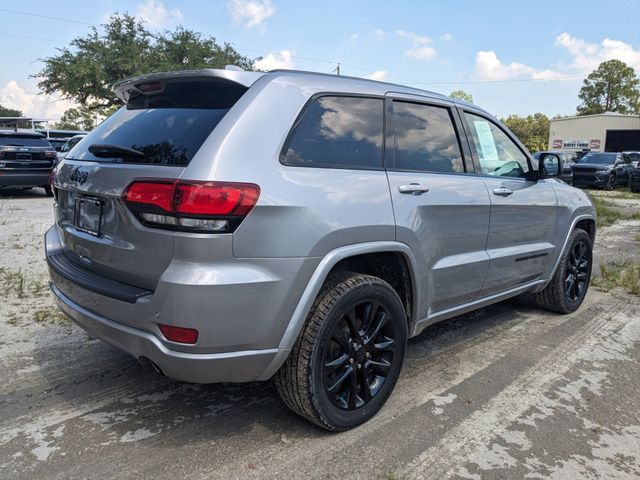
20 133
606 114
123 88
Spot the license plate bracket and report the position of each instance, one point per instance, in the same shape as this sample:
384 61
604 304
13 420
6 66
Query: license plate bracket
88 215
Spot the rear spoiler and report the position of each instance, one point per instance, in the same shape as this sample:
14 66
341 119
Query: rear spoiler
126 88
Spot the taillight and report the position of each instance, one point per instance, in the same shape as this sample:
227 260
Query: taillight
206 207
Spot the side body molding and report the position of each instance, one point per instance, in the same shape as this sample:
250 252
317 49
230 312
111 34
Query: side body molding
317 279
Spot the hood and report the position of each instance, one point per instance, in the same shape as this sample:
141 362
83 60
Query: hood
591 166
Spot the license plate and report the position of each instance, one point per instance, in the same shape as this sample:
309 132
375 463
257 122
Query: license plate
23 156
88 215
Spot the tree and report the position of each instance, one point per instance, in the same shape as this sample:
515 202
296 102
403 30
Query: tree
9 112
612 87
462 95
85 71
532 130
81 118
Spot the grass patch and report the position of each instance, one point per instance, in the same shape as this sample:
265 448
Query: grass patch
608 215
625 276
16 282
50 316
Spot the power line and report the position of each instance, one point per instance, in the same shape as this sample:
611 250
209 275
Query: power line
60 19
31 38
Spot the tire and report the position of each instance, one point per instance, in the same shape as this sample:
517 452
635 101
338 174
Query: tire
611 182
312 384
557 296
48 190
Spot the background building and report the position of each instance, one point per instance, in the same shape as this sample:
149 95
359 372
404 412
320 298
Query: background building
607 132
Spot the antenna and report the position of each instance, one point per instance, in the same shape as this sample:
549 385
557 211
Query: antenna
336 70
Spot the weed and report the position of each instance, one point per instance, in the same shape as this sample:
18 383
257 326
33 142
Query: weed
626 276
608 215
50 315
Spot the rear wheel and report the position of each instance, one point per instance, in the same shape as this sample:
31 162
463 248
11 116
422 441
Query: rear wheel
48 190
568 287
348 357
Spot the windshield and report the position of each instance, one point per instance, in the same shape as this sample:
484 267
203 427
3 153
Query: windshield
599 158
23 141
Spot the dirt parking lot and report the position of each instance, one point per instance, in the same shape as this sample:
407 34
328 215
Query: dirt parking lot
509 391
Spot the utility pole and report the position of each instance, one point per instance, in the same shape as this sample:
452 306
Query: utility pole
337 69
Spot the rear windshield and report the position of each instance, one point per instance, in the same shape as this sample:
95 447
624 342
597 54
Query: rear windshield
168 128
599 158
20 141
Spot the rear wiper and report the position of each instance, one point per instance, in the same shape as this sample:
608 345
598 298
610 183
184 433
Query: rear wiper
102 150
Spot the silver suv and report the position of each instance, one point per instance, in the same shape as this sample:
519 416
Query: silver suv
229 226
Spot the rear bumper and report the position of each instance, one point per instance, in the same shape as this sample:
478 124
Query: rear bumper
18 178
242 366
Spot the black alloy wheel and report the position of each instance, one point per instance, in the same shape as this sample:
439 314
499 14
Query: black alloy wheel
359 355
577 271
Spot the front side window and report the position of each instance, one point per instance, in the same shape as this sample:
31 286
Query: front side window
425 139
338 132
498 155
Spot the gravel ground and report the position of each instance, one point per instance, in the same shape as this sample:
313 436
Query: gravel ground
509 391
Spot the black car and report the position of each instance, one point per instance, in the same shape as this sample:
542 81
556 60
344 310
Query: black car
569 159
602 170
26 160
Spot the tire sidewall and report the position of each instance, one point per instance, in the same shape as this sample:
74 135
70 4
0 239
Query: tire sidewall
332 415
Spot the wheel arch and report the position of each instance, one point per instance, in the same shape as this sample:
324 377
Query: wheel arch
364 258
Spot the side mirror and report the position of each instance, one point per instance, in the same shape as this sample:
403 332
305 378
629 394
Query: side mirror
549 165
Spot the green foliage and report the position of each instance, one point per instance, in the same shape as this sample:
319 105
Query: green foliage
462 95
612 87
9 112
81 118
532 130
122 48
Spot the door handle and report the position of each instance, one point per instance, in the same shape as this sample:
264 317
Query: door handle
413 189
502 191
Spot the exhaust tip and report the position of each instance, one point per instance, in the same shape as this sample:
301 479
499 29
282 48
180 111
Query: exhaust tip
145 361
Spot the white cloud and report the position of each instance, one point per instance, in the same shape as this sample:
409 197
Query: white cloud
377 75
354 36
421 53
156 15
273 61
31 102
378 32
251 13
447 37
489 67
420 50
420 39
587 56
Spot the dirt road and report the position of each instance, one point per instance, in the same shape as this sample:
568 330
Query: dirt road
506 392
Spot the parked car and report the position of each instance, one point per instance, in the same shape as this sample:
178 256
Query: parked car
605 170
26 160
57 143
68 145
635 158
569 159
231 226
634 179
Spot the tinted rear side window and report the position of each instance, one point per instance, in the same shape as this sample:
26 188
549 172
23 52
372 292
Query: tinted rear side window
337 132
425 139
169 127
23 141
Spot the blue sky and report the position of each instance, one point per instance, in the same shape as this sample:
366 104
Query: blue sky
513 57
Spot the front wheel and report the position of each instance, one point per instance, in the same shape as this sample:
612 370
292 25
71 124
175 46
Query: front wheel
568 287
611 183
347 358
47 190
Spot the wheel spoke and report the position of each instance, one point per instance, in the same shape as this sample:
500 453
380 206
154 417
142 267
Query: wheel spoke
381 322
569 285
353 390
385 344
350 318
340 337
340 380
364 385
381 366
333 365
